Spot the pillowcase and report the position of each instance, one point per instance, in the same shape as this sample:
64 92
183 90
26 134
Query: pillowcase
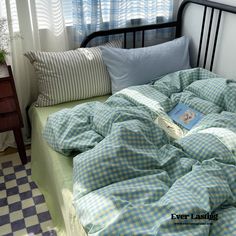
129 67
230 96
70 75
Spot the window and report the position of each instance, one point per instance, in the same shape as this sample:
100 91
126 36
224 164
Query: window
121 10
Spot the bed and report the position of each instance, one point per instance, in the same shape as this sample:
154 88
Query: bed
52 171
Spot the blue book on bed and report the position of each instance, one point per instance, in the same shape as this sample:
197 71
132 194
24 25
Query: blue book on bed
185 116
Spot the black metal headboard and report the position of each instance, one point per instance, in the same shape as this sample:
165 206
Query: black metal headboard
208 5
127 30
212 6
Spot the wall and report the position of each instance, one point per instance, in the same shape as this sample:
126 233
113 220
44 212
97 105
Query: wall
225 57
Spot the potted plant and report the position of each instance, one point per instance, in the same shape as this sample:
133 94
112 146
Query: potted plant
3 54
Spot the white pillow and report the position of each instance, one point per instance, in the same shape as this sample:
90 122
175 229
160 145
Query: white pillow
70 75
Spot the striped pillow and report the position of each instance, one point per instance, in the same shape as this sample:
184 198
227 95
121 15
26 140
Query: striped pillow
70 75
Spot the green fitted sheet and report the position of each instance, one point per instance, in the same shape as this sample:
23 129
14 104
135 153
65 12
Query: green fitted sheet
52 171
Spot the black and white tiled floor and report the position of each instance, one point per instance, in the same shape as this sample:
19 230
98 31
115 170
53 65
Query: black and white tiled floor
22 207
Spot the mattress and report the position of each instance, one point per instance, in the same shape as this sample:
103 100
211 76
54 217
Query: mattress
52 172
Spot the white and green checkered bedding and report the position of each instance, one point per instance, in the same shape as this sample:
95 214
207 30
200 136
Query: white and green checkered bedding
130 178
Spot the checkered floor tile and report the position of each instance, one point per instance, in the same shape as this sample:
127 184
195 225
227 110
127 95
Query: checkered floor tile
22 207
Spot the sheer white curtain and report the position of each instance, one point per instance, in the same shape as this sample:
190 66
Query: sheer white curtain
41 26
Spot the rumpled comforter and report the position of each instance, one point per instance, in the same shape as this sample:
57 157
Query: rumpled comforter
130 178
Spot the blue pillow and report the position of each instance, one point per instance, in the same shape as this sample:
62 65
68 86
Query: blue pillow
129 67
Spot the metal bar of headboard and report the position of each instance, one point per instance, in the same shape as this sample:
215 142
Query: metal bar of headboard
143 37
216 38
208 38
134 39
201 37
125 40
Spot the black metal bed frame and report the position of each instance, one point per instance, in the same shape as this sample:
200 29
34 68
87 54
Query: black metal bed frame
212 6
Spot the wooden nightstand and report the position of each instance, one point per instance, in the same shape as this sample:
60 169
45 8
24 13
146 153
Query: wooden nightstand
10 115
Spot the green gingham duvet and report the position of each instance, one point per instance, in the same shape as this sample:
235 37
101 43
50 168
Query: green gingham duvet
130 178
